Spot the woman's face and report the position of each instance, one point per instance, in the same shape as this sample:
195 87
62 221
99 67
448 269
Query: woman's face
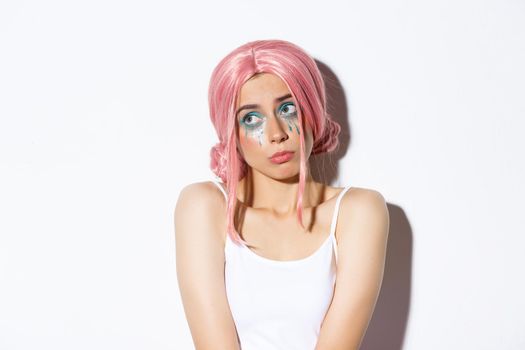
267 122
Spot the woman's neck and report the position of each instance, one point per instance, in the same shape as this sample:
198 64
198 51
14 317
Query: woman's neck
259 191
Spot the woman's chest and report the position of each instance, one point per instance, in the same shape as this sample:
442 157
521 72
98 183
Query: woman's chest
285 239
261 290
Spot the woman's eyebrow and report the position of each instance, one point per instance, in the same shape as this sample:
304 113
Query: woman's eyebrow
278 99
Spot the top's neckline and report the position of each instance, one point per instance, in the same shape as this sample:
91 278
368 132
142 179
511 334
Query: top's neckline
331 235
282 262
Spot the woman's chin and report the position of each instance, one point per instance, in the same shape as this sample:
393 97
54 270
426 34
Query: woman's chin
288 175
286 172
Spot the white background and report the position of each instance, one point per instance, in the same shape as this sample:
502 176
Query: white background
104 119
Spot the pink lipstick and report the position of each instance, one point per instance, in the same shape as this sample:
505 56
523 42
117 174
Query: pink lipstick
281 157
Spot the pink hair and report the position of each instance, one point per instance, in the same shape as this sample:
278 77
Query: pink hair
304 80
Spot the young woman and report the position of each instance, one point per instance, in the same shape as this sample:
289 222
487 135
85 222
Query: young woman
269 258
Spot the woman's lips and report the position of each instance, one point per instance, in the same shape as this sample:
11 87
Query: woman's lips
281 157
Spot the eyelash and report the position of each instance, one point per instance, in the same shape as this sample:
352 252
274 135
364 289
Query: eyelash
286 104
291 115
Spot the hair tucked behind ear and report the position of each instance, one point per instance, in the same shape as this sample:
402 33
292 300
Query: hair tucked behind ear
301 75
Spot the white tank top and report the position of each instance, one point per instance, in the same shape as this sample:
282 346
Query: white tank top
280 304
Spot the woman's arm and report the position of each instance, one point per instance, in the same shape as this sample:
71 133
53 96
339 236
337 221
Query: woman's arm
362 232
200 267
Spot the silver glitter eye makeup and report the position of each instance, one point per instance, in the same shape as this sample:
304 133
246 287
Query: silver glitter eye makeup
286 107
250 120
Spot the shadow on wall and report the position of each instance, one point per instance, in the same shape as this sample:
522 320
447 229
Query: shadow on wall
387 327
324 166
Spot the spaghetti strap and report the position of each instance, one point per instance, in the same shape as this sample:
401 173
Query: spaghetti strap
334 218
221 188
336 210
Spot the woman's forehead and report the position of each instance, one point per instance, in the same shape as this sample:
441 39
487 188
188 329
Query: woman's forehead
260 87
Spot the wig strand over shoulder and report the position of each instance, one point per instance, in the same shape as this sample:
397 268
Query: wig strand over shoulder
300 73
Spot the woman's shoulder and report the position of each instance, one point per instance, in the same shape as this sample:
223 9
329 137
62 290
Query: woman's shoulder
360 204
361 197
203 192
200 208
200 187
353 193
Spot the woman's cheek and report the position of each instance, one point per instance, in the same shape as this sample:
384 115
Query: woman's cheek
250 145
254 135
292 124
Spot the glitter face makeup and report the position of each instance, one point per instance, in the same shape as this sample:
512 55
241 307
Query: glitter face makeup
254 123
267 124
290 117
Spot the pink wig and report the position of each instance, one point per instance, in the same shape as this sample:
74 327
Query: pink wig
304 80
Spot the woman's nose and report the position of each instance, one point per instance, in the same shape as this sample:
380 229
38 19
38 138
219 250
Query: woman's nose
276 130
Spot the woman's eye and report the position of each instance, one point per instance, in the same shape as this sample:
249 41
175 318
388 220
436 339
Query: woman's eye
288 109
250 119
